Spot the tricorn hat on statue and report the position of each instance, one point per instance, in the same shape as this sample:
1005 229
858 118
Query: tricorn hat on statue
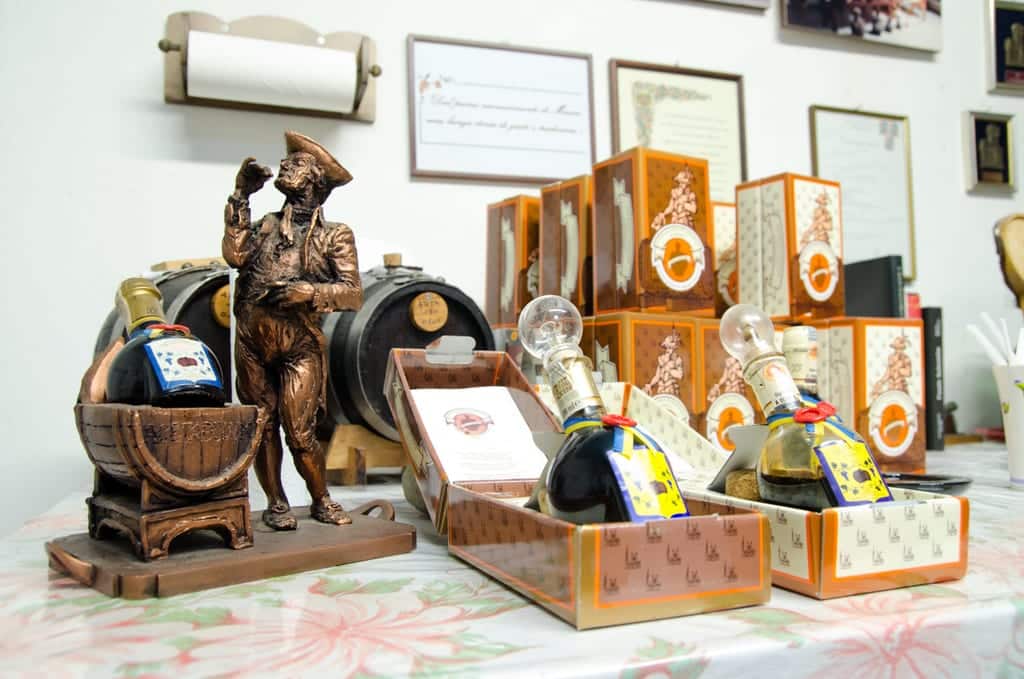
334 172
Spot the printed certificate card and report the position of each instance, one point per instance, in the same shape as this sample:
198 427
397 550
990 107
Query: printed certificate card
479 434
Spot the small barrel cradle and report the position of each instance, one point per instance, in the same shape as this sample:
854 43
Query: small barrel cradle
164 472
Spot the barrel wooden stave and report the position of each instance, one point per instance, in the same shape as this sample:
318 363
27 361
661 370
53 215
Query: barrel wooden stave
182 451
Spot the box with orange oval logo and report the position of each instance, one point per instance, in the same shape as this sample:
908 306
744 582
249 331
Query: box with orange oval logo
513 253
723 398
872 370
653 243
656 352
726 270
789 246
566 262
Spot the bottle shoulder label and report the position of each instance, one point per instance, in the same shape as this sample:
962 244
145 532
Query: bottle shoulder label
181 361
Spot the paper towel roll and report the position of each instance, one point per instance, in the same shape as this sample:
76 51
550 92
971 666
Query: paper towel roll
254 71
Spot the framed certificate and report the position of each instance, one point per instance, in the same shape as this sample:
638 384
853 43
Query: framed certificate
693 113
1005 46
869 155
498 113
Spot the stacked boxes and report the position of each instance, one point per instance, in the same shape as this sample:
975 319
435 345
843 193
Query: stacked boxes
872 370
790 247
652 236
656 352
726 271
566 267
513 270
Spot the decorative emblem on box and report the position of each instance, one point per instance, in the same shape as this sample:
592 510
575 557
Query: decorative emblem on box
728 410
571 250
677 255
819 270
892 423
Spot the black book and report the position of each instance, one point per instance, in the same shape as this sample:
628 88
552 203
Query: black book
874 287
933 388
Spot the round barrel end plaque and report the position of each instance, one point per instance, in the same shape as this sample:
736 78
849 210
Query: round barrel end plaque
429 311
221 306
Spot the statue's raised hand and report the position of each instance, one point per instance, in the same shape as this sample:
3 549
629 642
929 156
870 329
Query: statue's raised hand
251 177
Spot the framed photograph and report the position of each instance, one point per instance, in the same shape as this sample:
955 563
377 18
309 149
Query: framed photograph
915 24
1005 46
989 151
679 110
754 4
869 155
499 113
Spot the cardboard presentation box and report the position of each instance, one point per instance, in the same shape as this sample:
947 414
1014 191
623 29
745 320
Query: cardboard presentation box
657 352
875 379
653 243
513 258
566 262
589 575
723 398
726 270
790 246
920 538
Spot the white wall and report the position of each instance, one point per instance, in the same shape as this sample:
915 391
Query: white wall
100 178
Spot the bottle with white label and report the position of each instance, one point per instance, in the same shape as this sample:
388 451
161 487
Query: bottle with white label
800 347
789 472
160 365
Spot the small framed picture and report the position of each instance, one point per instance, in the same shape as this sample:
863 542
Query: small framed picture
1006 46
990 151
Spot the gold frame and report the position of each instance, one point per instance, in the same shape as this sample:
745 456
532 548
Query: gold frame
909 272
974 183
990 47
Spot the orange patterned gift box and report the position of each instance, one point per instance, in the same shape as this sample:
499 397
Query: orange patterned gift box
656 351
652 234
872 370
918 539
726 268
588 575
566 263
789 247
513 258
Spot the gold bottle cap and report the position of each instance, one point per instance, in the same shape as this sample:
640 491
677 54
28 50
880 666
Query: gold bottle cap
138 301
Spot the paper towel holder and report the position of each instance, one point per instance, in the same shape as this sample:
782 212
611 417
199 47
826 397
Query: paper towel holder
175 41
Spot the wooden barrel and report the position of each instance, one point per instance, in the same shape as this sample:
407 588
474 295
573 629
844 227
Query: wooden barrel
182 451
196 297
403 307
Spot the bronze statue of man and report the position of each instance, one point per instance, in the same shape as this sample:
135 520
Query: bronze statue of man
293 266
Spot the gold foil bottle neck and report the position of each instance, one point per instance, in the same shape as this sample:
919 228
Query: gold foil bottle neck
138 301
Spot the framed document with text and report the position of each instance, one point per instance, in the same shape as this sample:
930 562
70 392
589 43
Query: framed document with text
869 155
693 113
499 113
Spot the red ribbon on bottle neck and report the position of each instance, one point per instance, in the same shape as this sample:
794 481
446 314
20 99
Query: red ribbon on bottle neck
816 413
618 421
170 327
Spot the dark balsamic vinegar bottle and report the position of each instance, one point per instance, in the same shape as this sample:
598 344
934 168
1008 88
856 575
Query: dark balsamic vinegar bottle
160 365
580 485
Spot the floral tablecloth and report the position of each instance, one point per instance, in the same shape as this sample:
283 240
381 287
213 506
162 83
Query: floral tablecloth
428 614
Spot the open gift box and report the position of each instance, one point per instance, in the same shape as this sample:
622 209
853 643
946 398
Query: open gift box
589 575
917 539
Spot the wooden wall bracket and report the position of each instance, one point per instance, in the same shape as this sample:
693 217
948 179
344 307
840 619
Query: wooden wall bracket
174 45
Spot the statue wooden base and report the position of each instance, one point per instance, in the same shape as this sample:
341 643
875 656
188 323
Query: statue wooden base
354 450
199 560
162 472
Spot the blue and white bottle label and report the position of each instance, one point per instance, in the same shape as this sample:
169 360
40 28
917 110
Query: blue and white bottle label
180 361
